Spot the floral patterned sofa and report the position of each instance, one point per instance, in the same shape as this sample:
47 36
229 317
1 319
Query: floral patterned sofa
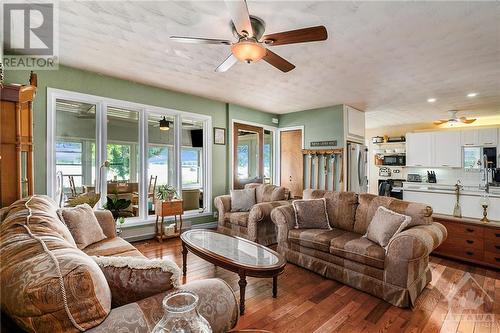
255 225
49 285
397 274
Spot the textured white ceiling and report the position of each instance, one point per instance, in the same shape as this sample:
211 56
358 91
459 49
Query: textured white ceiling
385 58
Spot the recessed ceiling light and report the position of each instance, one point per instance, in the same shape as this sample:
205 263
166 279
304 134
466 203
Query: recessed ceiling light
431 100
472 94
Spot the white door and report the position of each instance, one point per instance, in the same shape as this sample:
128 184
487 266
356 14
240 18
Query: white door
419 149
447 150
488 137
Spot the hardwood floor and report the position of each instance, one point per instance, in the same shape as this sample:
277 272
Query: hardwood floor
460 298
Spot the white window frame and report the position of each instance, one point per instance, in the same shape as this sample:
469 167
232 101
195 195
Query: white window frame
144 110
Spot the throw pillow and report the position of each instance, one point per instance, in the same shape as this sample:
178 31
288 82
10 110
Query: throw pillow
311 214
131 279
242 200
385 224
82 224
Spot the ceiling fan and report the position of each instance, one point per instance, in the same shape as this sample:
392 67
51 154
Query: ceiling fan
250 47
454 119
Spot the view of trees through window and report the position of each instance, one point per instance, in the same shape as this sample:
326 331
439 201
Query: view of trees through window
119 162
243 161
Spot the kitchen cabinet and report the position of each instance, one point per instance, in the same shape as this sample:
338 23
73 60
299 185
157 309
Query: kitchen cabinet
488 137
419 148
355 124
447 149
469 137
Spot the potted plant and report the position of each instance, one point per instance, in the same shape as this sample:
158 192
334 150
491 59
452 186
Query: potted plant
166 192
116 205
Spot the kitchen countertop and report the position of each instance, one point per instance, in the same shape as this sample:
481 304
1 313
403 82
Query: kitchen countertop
449 189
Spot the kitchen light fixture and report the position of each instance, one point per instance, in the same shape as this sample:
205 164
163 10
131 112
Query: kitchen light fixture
164 124
248 50
473 94
431 100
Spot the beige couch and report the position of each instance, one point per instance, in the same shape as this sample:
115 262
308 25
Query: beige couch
255 225
397 275
49 285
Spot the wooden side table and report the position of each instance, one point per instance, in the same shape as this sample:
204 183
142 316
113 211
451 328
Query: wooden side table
164 209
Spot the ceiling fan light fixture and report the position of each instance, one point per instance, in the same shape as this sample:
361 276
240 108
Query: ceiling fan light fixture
248 51
164 124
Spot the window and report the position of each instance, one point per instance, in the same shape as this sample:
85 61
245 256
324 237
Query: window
243 161
127 150
69 162
191 167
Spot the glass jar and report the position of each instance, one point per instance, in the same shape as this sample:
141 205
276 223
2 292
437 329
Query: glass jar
181 315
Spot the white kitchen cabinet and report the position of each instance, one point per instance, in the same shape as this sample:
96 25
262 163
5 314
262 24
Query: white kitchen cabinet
488 137
469 137
355 124
419 148
447 149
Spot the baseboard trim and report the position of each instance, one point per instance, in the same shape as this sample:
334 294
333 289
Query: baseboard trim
151 235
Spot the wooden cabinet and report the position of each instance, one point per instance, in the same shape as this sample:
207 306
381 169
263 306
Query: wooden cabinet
16 137
470 240
447 150
419 147
164 209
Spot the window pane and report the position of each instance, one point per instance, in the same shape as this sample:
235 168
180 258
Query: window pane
161 162
75 139
268 156
191 164
123 156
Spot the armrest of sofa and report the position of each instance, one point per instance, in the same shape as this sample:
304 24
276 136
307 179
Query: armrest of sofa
284 218
407 255
262 211
107 222
223 205
416 242
217 304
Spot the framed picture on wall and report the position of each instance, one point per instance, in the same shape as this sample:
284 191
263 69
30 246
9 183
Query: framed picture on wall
219 136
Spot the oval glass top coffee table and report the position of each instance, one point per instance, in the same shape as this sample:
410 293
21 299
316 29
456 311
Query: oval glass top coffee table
235 254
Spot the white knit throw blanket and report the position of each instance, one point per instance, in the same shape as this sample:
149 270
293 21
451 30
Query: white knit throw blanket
165 265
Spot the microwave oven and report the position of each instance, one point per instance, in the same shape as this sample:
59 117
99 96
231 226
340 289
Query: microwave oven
394 160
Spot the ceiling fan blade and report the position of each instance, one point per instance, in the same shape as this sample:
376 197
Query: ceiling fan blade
278 62
439 122
467 121
196 40
312 34
226 64
238 10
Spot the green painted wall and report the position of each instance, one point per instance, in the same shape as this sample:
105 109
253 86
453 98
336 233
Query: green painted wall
77 80
322 124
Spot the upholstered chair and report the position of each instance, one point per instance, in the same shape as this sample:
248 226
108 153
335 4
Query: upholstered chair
256 224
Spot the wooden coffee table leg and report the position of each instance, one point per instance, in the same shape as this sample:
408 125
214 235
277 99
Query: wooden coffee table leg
275 286
242 283
184 259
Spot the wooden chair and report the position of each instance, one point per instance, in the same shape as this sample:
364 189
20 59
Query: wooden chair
72 186
151 194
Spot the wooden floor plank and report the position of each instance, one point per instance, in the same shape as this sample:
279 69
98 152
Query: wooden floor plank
308 302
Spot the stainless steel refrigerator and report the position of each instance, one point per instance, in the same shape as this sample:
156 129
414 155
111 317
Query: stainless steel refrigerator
357 167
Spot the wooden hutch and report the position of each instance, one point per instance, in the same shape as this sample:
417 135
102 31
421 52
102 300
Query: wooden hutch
16 138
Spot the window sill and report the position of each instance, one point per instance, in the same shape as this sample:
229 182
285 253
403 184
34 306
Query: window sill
152 219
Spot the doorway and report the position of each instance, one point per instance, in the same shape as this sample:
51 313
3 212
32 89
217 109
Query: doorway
291 163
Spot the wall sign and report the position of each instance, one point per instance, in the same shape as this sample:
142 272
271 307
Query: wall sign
323 143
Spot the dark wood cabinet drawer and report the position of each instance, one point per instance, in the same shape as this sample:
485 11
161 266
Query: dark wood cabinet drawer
457 250
491 233
463 230
469 242
492 258
492 246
